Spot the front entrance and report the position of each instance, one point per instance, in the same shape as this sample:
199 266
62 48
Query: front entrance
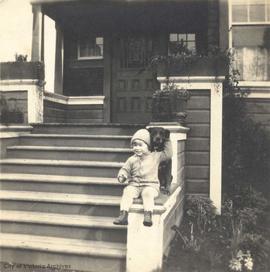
133 82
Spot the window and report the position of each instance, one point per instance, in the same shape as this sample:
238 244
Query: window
90 48
251 38
179 42
248 11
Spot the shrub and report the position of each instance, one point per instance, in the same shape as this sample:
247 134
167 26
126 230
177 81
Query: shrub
246 149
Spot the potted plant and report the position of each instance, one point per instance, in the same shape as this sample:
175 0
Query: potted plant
188 63
169 104
22 69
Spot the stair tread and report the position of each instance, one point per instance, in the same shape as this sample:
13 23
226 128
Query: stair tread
58 179
89 136
59 197
69 148
62 162
75 199
58 219
92 124
63 245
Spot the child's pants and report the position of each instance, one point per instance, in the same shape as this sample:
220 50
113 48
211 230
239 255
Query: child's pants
147 193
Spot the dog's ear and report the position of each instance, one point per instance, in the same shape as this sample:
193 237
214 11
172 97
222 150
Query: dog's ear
167 134
151 147
150 130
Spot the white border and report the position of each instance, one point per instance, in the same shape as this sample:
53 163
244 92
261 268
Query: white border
34 96
74 100
214 85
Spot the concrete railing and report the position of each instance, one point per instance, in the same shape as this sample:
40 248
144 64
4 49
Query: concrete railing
32 104
146 246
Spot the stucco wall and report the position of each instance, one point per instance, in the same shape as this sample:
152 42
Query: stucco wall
16 101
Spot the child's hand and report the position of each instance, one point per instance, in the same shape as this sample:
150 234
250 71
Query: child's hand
122 178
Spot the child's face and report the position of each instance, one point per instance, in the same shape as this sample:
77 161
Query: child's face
139 147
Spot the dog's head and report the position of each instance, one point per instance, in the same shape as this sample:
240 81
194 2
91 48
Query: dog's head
158 136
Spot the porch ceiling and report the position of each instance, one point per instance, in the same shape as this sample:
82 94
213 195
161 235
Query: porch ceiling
117 15
119 1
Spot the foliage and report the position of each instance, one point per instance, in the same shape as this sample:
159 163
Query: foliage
246 144
9 112
171 89
246 147
236 239
231 239
169 103
20 57
182 61
242 262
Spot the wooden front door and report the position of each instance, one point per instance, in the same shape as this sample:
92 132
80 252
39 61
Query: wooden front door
133 82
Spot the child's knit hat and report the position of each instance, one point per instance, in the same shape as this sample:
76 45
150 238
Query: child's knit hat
143 135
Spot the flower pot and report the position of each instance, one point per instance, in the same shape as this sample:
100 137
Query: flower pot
169 106
194 66
22 70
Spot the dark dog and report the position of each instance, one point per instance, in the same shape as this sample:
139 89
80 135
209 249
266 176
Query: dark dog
158 137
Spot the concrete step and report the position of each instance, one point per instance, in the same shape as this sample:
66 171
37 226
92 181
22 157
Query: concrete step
87 128
80 204
60 184
62 225
75 253
69 153
74 140
61 167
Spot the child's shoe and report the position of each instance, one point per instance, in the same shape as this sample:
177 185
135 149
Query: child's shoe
122 219
147 219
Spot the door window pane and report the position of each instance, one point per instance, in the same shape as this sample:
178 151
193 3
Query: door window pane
135 51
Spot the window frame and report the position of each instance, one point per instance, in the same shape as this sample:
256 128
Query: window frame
233 24
79 57
248 22
186 41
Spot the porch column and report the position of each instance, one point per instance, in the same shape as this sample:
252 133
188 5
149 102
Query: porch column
59 52
37 34
224 26
213 30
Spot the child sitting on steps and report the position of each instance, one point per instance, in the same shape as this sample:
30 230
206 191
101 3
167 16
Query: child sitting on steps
141 172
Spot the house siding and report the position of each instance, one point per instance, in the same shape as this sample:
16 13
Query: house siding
62 113
198 143
85 113
54 112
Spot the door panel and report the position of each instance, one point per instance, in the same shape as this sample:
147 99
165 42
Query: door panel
132 82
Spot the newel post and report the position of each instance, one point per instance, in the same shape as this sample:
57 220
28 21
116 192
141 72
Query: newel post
146 246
